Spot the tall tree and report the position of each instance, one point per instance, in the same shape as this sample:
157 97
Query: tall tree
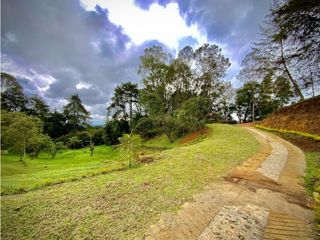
75 112
289 46
169 83
12 97
125 94
56 125
37 107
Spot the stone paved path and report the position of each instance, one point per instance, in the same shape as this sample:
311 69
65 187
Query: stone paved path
261 199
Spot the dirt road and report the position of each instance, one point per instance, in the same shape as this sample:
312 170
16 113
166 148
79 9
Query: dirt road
261 199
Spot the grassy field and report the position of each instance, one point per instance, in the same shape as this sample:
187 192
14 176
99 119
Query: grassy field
18 177
68 165
122 204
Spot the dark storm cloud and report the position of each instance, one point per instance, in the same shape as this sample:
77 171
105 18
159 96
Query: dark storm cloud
231 23
59 38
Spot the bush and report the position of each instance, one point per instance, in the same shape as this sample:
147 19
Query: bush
115 129
98 138
146 128
193 114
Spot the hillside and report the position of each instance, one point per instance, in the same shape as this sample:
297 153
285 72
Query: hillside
303 117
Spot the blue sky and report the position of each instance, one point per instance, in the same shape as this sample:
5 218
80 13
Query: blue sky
57 48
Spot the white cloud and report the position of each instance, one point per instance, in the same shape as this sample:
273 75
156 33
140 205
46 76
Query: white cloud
83 85
162 23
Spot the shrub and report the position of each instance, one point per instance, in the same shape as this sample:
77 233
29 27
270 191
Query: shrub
115 129
146 128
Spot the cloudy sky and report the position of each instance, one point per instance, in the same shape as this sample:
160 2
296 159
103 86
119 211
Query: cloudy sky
59 47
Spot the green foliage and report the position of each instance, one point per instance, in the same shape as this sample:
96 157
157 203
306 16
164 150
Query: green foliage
37 107
20 132
146 128
73 142
53 148
56 125
193 114
129 146
124 94
115 129
38 142
75 113
12 97
179 93
259 99
312 182
312 176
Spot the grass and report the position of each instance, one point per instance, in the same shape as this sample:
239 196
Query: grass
312 181
17 177
122 204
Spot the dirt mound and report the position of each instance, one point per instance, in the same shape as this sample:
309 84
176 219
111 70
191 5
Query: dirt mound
303 117
195 136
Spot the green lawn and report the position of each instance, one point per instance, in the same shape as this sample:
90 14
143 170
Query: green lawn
122 204
67 165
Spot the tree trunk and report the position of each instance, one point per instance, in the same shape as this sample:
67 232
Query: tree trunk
24 148
130 112
293 82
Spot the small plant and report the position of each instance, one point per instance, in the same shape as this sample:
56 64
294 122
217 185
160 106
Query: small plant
129 145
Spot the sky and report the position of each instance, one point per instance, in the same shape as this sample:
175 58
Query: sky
61 47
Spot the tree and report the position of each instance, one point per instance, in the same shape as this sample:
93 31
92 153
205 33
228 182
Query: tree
129 145
12 97
75 112
299 22
56 125
125 94
55 147
169 82
282 91
21 131
38 142
37 107
73 141
193 114
246 100
115 129
289 46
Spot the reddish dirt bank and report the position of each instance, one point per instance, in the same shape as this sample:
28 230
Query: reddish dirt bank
303 117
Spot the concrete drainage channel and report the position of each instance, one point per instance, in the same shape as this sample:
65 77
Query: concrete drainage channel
259 204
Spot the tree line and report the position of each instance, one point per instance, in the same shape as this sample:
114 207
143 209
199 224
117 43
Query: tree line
28 125
179 93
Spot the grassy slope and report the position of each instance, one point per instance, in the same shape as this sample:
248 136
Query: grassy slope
67 165
121 205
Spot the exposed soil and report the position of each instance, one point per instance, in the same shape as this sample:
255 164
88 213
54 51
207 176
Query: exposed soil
194 136
306 144
303 117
